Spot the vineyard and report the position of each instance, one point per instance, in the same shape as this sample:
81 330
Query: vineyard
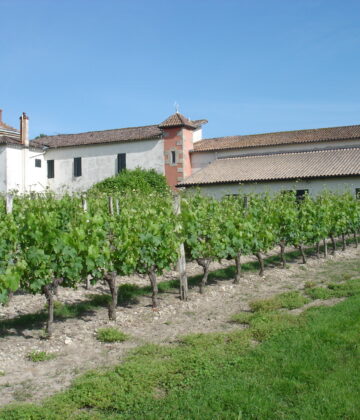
47 241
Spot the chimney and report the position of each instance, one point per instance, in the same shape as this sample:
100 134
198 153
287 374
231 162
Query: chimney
24 129
1 116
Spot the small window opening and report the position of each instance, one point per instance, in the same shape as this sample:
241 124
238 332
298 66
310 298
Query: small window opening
173 157
77 166
357 193
50 169
121 162
300 194
37 163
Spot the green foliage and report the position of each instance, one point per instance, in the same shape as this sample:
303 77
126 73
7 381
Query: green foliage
143 181
40 356
202 220
110 335
12 264
146 234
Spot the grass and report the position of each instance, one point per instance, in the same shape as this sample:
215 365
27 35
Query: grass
110 335
335 290
289 300
305 367
40 356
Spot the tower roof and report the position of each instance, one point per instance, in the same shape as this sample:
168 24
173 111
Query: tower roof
178 120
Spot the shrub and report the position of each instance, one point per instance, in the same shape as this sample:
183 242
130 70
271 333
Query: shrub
138 180
110 335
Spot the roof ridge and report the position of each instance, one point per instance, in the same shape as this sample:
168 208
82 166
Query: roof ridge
286 153
97 131
279 132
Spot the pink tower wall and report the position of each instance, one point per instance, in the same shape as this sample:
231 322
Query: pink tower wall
180 140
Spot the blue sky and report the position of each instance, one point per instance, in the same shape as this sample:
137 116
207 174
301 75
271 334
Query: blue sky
247 66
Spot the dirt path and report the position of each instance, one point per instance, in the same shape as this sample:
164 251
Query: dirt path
74 340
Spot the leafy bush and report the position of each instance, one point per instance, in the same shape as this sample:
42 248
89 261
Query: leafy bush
40 356
140 180
110 335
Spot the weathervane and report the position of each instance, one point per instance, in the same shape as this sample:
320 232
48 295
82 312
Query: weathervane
176 105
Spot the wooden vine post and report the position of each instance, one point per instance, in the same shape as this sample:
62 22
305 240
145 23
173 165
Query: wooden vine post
9 209
9 203
181 264
111 277
85 209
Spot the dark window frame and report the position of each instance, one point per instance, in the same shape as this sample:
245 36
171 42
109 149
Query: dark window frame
300 194
50 168
77 167
121 162
37 163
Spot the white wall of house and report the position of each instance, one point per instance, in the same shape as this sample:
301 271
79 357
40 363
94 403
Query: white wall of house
315 186
100 162
2 169
201 159
36 179
14 168
19 172
197 135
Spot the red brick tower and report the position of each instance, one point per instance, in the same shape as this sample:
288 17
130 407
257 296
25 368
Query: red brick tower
178 134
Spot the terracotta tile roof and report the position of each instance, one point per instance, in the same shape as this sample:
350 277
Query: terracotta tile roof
178 120
100 137
283 137
279 166
4 139
7 127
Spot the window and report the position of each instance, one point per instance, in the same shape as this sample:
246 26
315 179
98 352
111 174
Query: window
37 163
357 193
300 194
173 157
121 162
77 166
50 169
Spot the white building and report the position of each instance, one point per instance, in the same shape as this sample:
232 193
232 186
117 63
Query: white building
74 162
305 160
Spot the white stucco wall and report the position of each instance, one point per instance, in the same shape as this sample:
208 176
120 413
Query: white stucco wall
314 186
17 168
201 159
197 135
36 179
100 162
2 169
14 168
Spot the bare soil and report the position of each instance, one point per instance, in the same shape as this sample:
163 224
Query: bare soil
77 349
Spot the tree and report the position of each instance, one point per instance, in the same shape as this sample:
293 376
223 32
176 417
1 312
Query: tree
138 180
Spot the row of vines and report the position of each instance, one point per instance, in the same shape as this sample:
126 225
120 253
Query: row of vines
47 241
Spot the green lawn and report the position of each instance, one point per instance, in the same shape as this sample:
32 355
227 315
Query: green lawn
281 367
